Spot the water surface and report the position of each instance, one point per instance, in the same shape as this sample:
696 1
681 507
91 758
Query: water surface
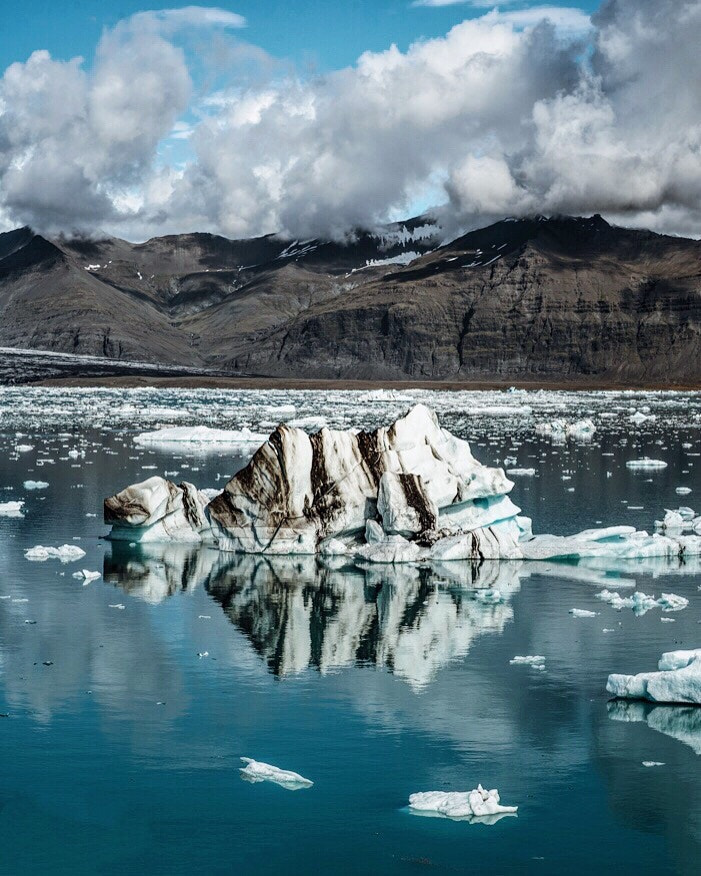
122 755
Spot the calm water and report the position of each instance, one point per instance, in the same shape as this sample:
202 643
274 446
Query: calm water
122 756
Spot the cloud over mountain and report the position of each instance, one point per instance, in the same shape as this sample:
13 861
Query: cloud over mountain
509 113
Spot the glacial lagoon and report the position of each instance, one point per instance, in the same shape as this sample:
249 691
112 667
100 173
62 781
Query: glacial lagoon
121 745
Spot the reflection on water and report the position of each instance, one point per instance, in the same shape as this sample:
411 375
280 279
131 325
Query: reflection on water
679 722
300 612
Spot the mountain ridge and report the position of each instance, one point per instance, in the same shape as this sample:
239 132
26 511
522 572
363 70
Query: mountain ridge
528 298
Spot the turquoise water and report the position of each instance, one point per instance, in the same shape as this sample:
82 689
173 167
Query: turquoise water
122 755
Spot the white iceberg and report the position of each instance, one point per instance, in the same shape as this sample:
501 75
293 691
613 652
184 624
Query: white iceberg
535 660
646 464
201 436
641 603
582 612
35 485
257 771
461 804
677 681
11 509
560 430
87 576
66 553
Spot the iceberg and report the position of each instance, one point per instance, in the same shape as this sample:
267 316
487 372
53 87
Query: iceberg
11 509
35 485
641 603
461 804
415 482
67 553
646 464
257 771
200 436
158 510
406 493
560 430
677 681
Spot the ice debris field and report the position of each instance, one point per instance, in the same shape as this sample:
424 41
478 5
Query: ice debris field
378 486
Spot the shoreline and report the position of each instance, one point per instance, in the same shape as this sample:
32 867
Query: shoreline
295 383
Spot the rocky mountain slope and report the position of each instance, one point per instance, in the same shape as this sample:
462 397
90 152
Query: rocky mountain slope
537 299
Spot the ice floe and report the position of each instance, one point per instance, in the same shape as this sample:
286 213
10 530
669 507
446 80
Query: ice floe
257 771
461 804
646 464
641 603
35 485
66 553
200 436
677 681
11 509
535 660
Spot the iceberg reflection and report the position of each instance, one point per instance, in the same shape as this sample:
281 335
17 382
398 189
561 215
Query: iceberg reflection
680 722
300 612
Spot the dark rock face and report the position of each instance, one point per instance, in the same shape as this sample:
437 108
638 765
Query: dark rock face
541 299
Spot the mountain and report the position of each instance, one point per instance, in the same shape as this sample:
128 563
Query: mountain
535 299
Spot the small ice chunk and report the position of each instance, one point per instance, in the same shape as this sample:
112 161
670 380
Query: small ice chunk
11 509
529 660
35 485
653 763
582 612
87 576
67 553
683 491
460 804
24 448
646 464
257 771
521 472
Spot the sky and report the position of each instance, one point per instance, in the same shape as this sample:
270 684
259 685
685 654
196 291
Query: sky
315 118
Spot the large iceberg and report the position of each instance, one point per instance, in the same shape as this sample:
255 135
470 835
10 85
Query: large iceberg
402 493
410 492
677 681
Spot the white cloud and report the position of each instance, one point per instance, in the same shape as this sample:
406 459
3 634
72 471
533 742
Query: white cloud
506 113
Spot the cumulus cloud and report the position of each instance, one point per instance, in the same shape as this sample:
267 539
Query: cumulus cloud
517 111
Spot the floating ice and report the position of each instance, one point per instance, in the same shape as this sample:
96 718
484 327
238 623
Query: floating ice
460 804
677 681
653 763
582 612
11 509
35 485
199 435
561 430
257 771
521 472
646 464
66 553
87 575
24 448
530 660
642 603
